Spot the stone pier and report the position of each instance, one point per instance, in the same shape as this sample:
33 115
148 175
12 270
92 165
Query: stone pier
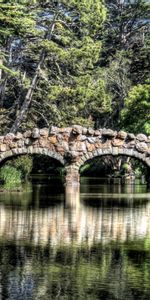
72 176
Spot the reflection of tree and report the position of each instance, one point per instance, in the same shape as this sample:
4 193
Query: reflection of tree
98 272
86 247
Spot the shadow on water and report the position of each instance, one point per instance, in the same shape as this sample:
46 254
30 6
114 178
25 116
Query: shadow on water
41 191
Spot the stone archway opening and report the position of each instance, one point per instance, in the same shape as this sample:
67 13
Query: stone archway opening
38 167
120 166
46 169
39 164
46 165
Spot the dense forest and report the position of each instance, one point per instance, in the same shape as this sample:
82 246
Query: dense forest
75 62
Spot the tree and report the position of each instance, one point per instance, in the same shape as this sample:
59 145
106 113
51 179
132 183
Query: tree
67 46
125 52
127 25
17 22
118 82
135 116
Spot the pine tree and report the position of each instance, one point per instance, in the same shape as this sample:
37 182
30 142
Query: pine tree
60 59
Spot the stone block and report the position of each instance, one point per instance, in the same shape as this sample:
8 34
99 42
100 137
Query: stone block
130 136
65 136
60 149
117 142
20 143
43 142
142 147
83 138
7 154
53 139
79 146
12 145
15 151
121 135
84 130
131 144
35 133
106 151
91 140
27 134
99 151
98 145
97 132
74 153
35 142
90 131
27 142
115 151
3 147
90 147
9 137
76 129
65 145
44 132
30 149
141 137
106 145
108 133
53 130
18 136
85 157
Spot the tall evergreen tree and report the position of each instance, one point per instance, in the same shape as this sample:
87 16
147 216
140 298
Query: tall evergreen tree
58 64
126 51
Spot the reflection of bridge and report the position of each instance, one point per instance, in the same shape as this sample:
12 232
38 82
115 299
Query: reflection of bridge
73 146
75 221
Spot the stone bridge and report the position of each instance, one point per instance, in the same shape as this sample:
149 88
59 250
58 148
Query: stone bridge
73 146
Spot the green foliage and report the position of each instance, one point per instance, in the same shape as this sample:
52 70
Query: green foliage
94 57
136 114
16 170
85 168
23 164
11 177
125 167
125 51
9 71
69 88
16 18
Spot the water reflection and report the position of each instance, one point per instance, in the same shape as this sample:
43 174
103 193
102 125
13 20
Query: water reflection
40 216
57 244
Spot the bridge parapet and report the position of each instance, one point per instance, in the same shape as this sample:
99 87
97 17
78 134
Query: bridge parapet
72 146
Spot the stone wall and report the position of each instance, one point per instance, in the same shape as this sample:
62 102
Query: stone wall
72 146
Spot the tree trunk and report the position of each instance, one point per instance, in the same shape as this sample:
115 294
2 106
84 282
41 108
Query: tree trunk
28 98
2 90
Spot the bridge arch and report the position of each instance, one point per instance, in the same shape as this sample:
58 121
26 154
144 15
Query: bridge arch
73 146
32 150
114 151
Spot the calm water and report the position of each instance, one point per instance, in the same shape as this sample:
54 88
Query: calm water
62 244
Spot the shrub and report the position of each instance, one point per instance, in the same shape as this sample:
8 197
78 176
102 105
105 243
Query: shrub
23 164
11 177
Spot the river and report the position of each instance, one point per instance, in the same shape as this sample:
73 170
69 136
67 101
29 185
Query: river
62 243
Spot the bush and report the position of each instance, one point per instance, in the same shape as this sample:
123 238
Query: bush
23 163
10 176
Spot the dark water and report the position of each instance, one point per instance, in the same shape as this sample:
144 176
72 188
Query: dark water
62 244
